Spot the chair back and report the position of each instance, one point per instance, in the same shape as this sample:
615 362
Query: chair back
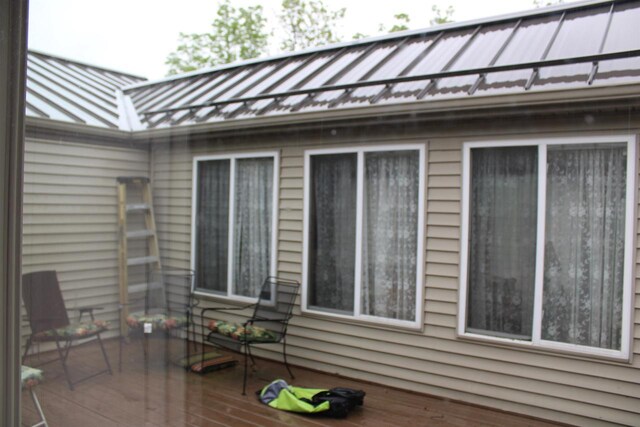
177 289
43 301
155 298
163 290
276 300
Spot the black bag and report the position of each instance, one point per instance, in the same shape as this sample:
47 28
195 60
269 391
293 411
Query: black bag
341 400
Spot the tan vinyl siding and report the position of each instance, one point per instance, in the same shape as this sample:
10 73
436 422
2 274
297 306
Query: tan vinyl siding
70 218
566 388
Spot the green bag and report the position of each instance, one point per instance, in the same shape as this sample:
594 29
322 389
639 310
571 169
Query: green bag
336 402
280 395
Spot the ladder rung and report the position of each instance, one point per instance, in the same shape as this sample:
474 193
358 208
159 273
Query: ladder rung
138 207
143 287
143 260
132 180
137 234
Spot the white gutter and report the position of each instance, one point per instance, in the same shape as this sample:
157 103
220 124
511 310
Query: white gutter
77 129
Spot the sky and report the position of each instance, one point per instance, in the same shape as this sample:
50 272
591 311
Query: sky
136 36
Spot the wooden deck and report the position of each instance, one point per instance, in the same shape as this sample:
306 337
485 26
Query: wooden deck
157 394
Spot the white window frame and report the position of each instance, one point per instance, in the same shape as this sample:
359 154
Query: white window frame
275 155
357 312
629 250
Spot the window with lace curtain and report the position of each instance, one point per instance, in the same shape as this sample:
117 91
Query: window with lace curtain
547 243
233 223
363 233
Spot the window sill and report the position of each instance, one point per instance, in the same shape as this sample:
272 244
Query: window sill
551 349
368 321
234 300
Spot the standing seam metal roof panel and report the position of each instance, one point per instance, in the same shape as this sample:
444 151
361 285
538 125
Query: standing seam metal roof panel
68 91
369 72
593 43
74 79
86 97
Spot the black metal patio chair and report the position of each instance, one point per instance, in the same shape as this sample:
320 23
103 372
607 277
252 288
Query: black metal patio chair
49 321
160 307
267 325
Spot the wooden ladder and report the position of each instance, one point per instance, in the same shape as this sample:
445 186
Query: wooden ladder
152 258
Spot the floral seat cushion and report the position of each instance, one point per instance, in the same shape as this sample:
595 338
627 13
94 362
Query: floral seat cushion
158 320
73 331
239 332
30 377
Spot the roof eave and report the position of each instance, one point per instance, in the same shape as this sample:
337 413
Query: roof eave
551 99
43 126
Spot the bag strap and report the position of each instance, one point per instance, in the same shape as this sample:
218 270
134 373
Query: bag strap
315 399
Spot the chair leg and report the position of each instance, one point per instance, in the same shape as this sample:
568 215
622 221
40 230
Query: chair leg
188 364
204 340
64 354
26 349
189 342
253 361
167 337
63 358
244 381
120 354
104 354
284 353
202 355
43 420
145 348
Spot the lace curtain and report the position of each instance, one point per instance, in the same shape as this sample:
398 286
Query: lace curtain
332 232
584 249
212 225
389 246
253 221
502 240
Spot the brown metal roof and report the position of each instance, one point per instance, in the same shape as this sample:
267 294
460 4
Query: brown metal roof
584 44
594 43
69 91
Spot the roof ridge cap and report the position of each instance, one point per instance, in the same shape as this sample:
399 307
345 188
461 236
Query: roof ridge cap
85 64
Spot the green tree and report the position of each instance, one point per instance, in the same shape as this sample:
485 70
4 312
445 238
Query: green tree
308 23
358 36
236 34
441 17
401 24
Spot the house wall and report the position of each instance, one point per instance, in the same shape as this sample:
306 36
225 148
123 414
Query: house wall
70 217
565 388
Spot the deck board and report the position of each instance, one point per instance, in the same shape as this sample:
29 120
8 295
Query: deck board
157 394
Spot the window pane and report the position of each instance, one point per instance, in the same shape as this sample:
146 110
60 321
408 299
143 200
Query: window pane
502 240
389 246
584 246
332 232
253 221
212 225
